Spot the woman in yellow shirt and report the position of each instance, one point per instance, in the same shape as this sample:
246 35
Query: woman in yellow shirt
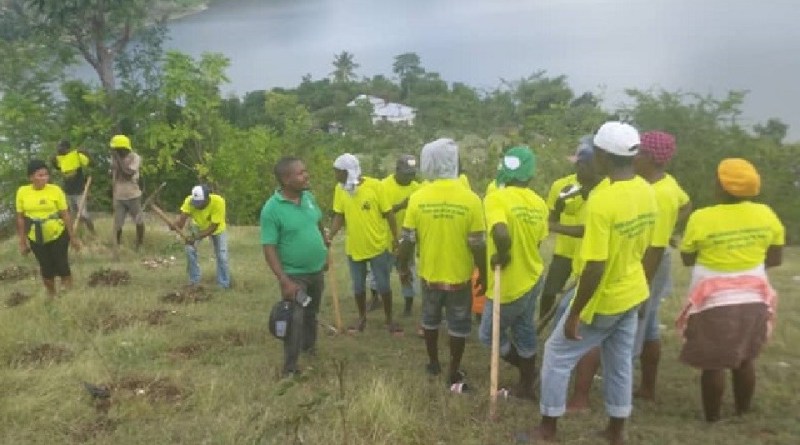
730 304
44 226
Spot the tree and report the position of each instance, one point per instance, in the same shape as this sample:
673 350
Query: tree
344 67
774 130
99 30
407 67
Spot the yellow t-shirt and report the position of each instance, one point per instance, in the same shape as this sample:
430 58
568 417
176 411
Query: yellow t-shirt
69 163
45 205
732 237
580 220
368 232
443 214
620 219
670 197
525 214
396 193
492 186
566 246
464 181
213 213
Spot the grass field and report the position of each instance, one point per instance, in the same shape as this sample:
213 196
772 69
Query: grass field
207 372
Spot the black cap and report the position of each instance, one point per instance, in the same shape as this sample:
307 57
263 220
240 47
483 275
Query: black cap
407 164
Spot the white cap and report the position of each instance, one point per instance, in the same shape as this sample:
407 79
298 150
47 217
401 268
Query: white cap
198 195
617 138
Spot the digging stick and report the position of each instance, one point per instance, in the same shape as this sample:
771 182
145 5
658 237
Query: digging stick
337 314
495 361
81 205
160 213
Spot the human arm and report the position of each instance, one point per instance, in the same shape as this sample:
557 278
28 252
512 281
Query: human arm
203 233
73 239
587 285
477 245
336 225
288 287
181 221
502 242
651 261
774 256
400 206
683 214
392 227
568 230
24 246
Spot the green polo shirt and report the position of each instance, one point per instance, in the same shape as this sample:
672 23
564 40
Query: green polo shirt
294 230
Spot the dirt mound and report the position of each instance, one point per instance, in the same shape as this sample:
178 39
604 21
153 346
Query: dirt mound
44 354
17 298
187 294
188 351
14 273
109 277
156 390
90 429
158 262
112 322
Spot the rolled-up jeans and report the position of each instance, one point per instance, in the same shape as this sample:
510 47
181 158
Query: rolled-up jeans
614 334
220 243
302 335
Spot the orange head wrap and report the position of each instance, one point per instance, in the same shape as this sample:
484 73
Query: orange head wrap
739 178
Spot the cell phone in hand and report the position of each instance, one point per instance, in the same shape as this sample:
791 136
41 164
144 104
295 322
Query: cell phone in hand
302 298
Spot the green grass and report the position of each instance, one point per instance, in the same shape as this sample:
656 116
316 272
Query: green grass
209 372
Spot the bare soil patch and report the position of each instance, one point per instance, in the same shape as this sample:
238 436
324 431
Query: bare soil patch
187 294
15 273
17 298
154 389
188 351
44 354
109 277
112 322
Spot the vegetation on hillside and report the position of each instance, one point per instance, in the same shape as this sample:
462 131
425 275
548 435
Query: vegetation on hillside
187 131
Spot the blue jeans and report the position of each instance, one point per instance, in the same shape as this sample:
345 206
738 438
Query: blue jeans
408 290
220 243
516 319
615 335
648 329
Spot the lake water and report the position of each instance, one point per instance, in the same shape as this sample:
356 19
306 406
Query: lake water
605 46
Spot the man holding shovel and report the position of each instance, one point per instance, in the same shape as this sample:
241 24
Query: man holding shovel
516 219
207 210
296 250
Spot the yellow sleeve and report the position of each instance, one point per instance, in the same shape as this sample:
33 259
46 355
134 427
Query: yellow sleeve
383 198
186 207
597 233
410 220
555 190
683 197
545 230
495 211
20 204
83 159
663 229
61 199
777 229
218 212
478 223
338 204
692 235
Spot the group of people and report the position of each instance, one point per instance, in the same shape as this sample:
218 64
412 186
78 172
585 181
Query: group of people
616 218
45 212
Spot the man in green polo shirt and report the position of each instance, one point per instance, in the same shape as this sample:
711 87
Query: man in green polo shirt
296 251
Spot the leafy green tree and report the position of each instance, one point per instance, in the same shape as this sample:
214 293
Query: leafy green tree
408 68
774 129
98 30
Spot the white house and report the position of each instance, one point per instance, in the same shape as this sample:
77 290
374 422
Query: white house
383 111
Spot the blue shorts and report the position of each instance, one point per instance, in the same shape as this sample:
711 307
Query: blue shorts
516 322
381 267
457 305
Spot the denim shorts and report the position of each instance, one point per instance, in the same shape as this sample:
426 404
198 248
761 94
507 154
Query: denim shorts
648 328
380 266
457 305
516 322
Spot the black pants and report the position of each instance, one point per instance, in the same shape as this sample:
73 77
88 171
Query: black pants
53 257
302 336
